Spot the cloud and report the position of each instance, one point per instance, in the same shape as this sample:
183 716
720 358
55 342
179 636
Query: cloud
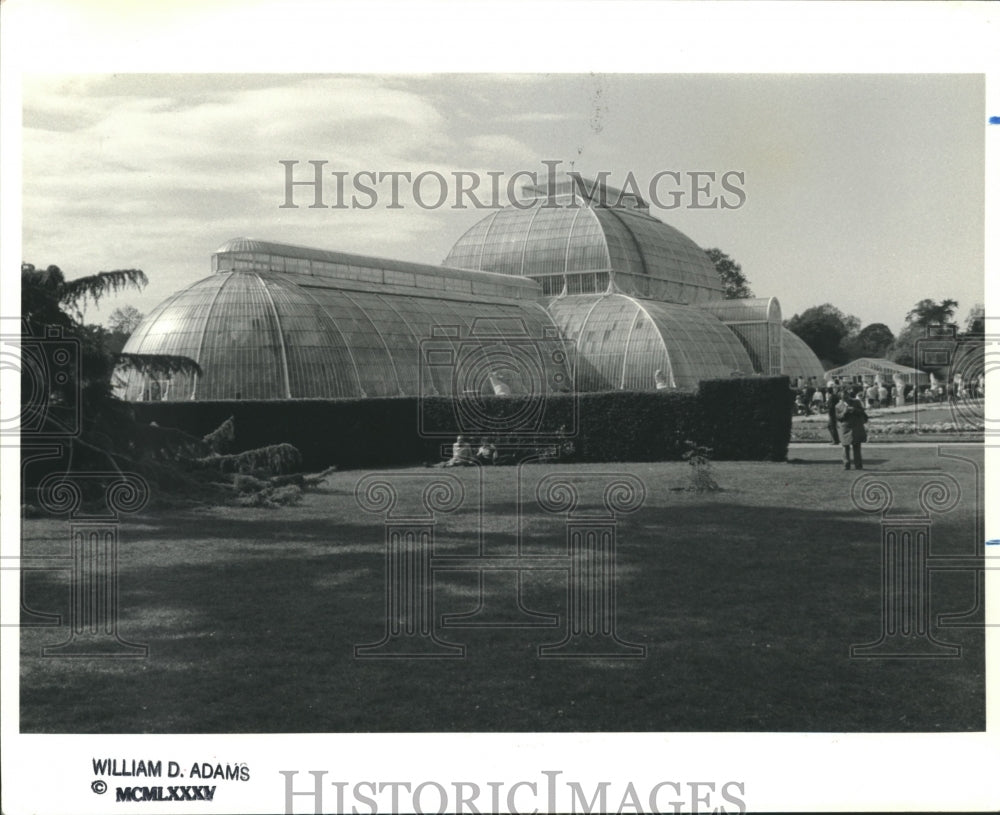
499 148
160 156
155 170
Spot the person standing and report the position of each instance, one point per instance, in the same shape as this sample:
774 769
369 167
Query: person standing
831 411
851 418
872 395
817 401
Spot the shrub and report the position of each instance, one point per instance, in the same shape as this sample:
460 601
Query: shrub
221 439
700 459
740 418
747 418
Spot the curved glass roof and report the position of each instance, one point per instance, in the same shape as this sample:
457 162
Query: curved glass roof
621 342
644 256
277 336
285 322
797 358
757 323
745 310
250 254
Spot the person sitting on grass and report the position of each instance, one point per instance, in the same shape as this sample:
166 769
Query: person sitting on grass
461 455
487 452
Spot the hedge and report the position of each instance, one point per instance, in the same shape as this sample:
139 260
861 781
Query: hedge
740 419
747 419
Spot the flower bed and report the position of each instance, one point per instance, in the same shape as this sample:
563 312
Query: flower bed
895 428
901 426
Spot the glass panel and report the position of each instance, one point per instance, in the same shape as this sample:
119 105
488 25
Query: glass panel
798 358
623 342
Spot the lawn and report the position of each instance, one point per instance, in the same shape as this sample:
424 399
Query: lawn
747 601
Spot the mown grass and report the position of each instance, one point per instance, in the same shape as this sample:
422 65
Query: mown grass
747 600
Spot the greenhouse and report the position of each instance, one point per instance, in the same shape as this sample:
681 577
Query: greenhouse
624 343
757 324
578 247
284 322
560 294
866 369
797 359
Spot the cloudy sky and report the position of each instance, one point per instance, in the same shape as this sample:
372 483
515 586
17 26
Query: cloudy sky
865 191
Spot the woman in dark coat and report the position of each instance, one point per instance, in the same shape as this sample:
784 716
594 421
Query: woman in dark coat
831 412
851 418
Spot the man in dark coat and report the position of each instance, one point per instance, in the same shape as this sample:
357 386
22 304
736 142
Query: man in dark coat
851 418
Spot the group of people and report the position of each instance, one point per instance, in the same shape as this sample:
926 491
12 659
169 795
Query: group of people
462 455
847 418
952 391
811 400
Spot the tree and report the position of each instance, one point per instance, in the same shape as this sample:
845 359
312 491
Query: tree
929 312
824 329
125 320
121 323
874 340
975 322
731 275
49 301
903 348
66 368
921 322
66 393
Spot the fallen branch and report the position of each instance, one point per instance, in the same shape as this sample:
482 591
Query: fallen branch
274 458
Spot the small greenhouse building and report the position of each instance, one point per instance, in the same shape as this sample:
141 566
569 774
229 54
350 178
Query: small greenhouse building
866 369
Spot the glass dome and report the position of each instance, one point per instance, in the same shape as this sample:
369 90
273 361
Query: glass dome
583 249
285 322
797 358
623 343
339 332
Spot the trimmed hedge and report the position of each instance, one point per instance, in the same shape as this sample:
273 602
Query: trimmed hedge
748 419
